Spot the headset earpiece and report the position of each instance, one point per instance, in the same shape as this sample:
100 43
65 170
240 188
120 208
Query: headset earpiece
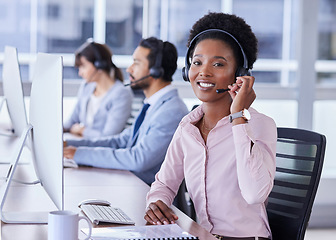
99 63
185 69
157 70
241 71
185 74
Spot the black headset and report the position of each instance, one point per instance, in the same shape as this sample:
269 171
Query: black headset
99 62
157 70
241 71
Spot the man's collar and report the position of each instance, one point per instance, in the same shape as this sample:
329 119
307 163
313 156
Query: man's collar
156 96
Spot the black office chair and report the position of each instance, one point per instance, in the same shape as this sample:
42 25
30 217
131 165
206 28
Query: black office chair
299 161
184 203
182 200
195 106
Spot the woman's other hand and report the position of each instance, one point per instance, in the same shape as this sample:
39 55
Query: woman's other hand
159 213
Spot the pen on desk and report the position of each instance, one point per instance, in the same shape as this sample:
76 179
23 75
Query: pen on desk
10 130
9 171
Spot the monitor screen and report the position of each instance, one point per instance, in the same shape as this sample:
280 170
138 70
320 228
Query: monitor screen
45 132
46 117
13 92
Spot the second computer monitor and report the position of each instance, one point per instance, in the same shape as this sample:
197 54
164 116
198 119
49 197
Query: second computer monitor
13 92
46 117
45 130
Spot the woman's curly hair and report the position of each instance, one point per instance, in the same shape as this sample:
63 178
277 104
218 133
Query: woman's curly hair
232 24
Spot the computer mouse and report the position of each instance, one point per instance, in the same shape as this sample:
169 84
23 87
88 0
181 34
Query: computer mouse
95 202
69 163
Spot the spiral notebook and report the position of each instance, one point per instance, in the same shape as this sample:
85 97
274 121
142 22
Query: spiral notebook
151 232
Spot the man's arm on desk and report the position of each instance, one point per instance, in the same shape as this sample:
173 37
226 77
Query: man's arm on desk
144 155
115 141
147 153
118 141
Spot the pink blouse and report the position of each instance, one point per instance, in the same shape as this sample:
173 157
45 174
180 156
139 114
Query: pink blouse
228 183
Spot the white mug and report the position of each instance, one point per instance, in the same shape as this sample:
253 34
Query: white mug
64 225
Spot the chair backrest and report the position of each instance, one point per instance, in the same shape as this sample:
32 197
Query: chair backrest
184 203
299 161
182 200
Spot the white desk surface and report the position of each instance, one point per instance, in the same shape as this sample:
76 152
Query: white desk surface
122 188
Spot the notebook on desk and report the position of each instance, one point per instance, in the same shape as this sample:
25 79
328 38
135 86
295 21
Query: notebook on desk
150 232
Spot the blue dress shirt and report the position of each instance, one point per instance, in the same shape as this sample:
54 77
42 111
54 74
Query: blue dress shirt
144 154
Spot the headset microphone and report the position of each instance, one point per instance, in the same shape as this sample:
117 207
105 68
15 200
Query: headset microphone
221 90
140 79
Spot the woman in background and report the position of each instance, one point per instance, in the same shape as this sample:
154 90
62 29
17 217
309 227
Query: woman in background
104 103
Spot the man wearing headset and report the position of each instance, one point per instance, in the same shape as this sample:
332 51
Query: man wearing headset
140 151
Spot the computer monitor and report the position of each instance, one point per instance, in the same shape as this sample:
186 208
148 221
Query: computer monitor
13 92
45 129
14 101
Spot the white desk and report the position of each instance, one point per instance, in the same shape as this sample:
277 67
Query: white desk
122 188
8 144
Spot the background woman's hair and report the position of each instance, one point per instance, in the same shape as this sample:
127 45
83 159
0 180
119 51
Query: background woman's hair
99 55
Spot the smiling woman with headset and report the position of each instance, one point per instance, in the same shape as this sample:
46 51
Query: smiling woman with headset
104 103
224 149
